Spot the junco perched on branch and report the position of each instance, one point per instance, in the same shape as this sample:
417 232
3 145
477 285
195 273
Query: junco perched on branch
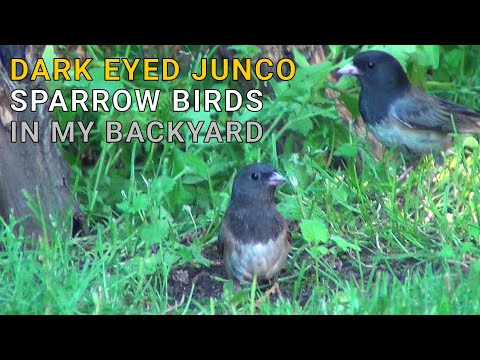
254 236
400 115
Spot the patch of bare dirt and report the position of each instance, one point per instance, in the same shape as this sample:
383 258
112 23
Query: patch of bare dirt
208 283
182 279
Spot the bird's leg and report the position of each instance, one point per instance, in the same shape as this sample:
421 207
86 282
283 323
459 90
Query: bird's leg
439 161
275 289
236 286
407 172
276 285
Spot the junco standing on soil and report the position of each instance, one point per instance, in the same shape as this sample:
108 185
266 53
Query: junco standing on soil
400 115
254 236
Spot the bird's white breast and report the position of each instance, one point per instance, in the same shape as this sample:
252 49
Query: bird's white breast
264 259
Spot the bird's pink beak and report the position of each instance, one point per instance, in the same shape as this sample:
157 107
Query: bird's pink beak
276 179
349 69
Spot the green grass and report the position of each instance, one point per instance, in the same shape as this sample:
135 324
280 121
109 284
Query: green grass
363 244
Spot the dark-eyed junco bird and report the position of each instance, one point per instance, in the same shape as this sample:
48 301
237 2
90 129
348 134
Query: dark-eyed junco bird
400 115
254 236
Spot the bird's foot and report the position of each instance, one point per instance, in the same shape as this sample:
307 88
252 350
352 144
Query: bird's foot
439 161
237 286
409 170
405 174
275 289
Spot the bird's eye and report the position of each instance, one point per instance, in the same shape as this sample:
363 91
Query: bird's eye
371 65
255 176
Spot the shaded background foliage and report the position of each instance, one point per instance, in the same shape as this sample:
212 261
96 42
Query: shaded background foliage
298 117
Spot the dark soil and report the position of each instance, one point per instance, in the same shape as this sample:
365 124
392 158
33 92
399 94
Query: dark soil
182 278
209 284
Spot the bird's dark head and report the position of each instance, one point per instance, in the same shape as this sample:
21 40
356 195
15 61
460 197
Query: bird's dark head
377 70
256 182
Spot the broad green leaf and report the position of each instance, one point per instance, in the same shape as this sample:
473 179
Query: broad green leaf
453 59
470 142
245 51
314 231
163 184
303 127
335 49
466 247
428 55
197 255
347 150
140 202
290 208
197 164
340 194
344 244
304 79
476 267
48 56
400 52
322 250
155 232
300 59
474 231
170 258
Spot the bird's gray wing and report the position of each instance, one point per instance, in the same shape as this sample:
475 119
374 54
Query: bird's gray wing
418 110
